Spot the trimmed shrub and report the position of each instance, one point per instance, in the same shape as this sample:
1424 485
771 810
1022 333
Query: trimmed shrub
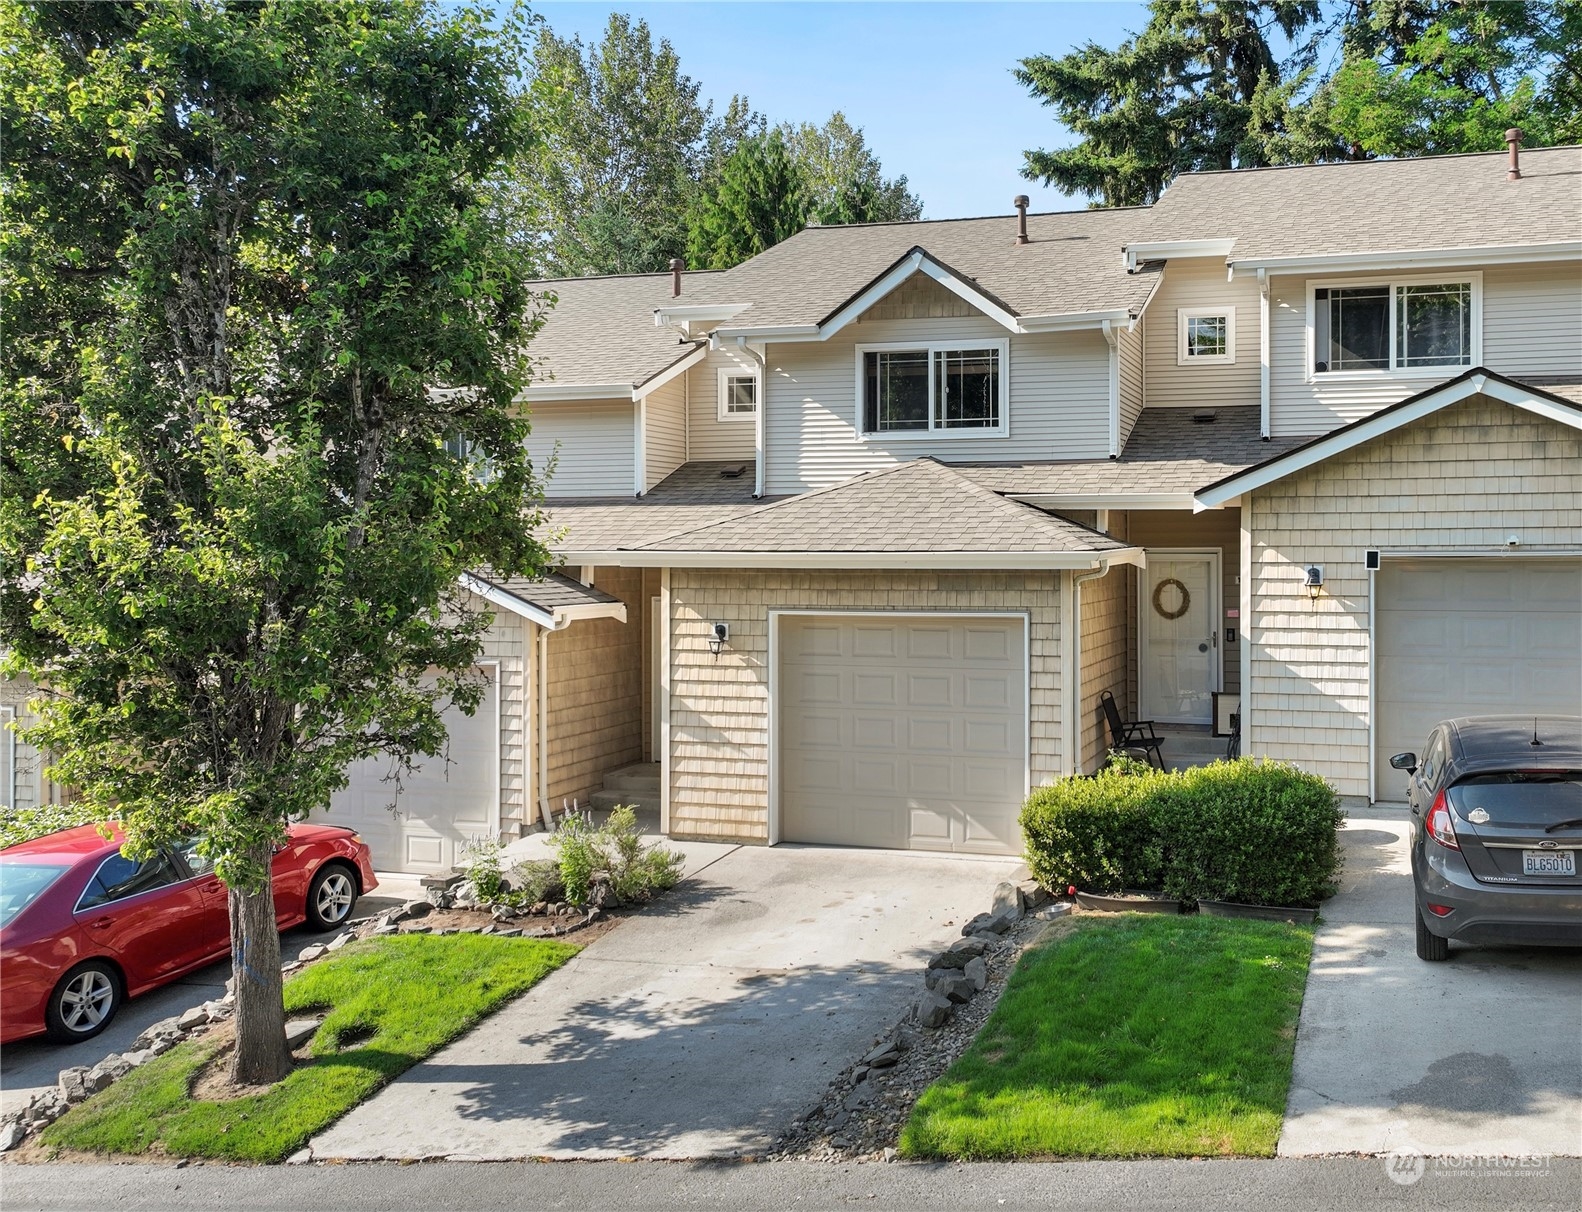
1094 832
1262 833
1258 832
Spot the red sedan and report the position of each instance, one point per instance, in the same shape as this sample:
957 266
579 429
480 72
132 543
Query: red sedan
82 928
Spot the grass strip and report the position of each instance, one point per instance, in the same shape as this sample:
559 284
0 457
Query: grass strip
399 998
1134 1036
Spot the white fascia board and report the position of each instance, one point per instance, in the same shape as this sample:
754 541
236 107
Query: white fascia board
1378 426
1484 254
771 332
1103 500
1163 250
590 610
553 393
496 596
877 559
671 372
1072 320
692 313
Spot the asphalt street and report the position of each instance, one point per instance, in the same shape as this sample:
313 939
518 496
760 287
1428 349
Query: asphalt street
1290 1185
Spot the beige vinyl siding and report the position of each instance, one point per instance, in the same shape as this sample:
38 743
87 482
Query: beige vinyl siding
1058 406
22 782
506 642
1129 350
709 437
719 708
1532 324
664 431
1212 530
595 693
1532 319
1106 643
1459 481
593 443
1200 282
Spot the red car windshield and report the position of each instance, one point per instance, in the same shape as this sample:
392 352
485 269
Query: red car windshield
23 883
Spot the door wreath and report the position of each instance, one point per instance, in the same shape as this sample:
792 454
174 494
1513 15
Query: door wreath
1186 599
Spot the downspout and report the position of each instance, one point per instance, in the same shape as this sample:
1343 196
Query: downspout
1113 338
758 418
1077 582
1263 354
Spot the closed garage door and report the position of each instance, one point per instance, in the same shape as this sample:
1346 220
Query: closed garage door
1471 637
903 732
451 799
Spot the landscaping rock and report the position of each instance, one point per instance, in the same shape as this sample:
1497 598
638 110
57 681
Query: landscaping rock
195 1017
933 1010
385 931
116 1065
309 954
290 966
11 1135
412 910
161 1046
74 1084
418 930
886 1054
855 1099
955 984
977 971
1007 899
981 922
1034 895
335 944
300 1030
512 933
957 954
140 1056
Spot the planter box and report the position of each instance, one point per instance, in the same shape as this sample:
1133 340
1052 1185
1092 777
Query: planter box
1260 913
1129 902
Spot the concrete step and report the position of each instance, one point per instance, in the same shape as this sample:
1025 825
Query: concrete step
643 778
603 801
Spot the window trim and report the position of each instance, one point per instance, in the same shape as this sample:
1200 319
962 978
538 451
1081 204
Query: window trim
722 376
1473 277
1003 430
1184 357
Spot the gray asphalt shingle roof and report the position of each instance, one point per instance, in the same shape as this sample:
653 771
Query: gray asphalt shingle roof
691 496
919 506
552 592
1433 202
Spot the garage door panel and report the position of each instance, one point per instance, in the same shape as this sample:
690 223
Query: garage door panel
930 752
1471 637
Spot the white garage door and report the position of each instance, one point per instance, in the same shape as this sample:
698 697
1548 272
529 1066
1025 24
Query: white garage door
451 799
1471 637
903 732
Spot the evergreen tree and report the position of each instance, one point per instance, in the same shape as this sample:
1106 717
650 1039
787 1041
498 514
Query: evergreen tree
760 199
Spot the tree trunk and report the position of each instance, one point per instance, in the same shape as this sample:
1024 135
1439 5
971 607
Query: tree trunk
261 1057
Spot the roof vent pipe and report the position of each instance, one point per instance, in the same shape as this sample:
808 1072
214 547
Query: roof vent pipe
1020 202
676 266
1513 140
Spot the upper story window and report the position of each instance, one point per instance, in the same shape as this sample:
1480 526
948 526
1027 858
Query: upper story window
933 389
1206 336
1412 326
738 394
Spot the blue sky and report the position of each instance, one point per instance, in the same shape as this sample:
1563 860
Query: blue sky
930 84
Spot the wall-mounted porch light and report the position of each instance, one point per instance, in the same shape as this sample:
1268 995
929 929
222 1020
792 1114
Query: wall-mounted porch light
717 638
1314 580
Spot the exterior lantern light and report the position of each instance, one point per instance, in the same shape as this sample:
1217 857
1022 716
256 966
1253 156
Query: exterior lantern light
717 638
1314 580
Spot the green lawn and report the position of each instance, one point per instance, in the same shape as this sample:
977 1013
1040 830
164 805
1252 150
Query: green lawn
400 997
1133 1036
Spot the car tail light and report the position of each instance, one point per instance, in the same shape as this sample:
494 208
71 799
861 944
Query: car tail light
1440 910
1439 826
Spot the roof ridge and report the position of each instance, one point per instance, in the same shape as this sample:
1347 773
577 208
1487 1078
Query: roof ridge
1377 160
658 273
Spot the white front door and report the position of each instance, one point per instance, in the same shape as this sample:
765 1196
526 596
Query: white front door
1178 637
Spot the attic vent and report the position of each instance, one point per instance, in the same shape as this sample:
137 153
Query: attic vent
734 472
1205 417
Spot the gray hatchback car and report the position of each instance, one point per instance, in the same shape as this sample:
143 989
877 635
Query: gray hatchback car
1497 834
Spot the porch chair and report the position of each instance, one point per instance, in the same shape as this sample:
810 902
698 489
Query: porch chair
1134 734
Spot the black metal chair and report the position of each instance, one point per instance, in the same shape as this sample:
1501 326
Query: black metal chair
1132 734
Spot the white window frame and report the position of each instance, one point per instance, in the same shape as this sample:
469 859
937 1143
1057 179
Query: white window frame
1472 277
724 375
1184 355
1002 430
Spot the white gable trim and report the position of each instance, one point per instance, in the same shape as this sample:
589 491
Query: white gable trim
915 263
1377 426
552 620
669 373
875 559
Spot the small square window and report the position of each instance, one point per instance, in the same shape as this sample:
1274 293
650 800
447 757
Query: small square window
1206 335
738 398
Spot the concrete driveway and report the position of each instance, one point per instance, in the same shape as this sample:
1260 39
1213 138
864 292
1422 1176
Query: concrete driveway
34 1064
699 1028
1480 1055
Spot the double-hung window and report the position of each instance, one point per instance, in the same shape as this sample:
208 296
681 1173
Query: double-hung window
1411 326
738 394
932 390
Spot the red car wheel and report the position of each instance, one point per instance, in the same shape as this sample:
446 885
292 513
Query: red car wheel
331 896
83 1003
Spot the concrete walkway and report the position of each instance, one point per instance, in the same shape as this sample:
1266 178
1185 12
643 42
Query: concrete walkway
698 1028
1480 1055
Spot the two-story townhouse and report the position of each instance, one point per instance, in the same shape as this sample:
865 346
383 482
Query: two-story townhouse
855 534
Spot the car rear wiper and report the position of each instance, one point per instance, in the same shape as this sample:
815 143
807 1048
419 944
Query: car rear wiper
1577 820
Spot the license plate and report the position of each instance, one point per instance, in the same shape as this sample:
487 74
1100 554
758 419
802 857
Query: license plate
1549 862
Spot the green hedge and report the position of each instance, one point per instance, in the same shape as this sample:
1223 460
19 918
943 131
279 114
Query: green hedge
1263 833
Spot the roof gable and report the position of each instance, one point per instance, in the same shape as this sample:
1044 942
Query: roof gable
1477 381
